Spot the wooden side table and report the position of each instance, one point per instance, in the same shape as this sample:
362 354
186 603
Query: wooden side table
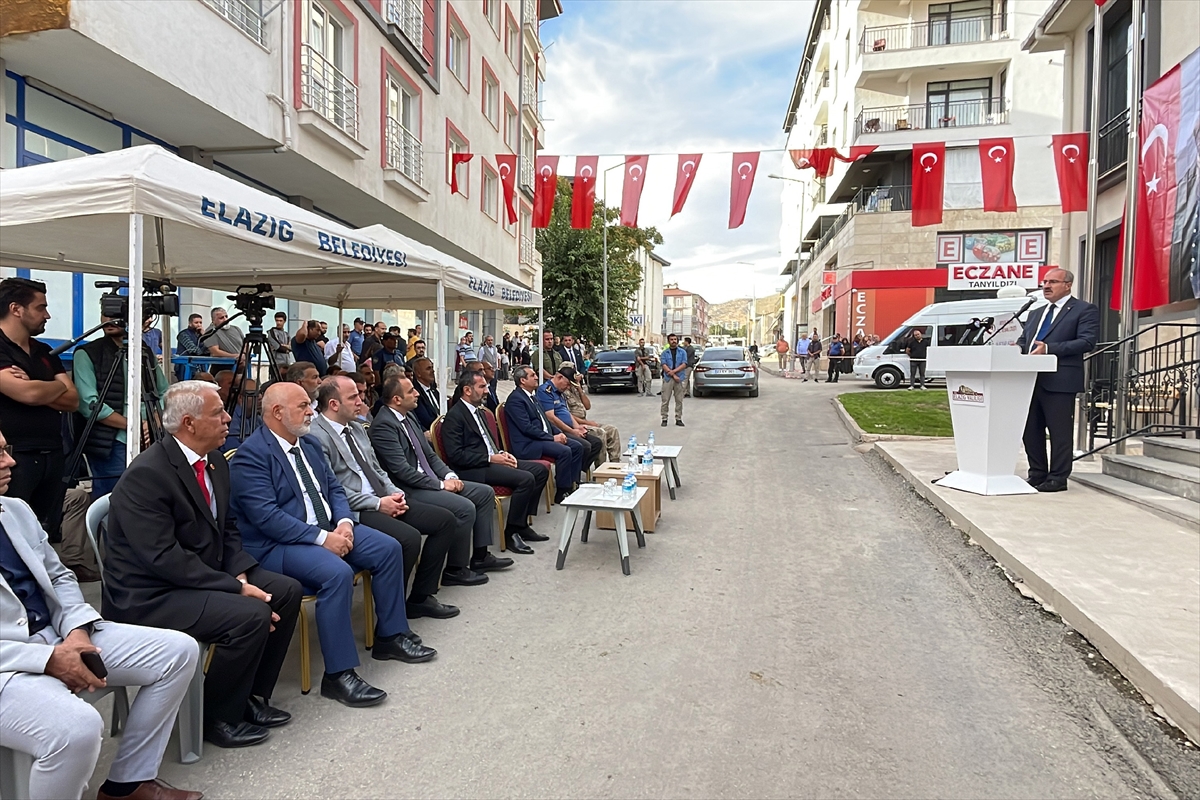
651 503
588 499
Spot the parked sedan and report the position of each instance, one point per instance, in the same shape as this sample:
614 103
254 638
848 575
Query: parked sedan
612 369
725 369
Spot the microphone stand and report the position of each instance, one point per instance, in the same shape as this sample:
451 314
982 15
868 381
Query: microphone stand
1015 316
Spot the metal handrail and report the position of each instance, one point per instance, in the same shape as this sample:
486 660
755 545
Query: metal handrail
933 33
326 89
951 114
1112 143
242 16
406 15
404 151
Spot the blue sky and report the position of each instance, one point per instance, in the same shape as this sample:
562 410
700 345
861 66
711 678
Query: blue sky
671 76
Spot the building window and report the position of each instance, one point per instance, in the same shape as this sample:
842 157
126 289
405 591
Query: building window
491 96
404 151
512 125
491 10
512 38
954 23
457 143
407 15
490 201
245 15
950 103
326 54
458 49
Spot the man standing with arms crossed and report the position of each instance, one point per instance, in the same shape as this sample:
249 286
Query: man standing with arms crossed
674 378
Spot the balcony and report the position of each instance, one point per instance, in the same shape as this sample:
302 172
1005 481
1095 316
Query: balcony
404 152
406 15
327 91
952 114
529 98
525 179
242 16
1112 148
527 250
873 200
933 33
820 81
822 136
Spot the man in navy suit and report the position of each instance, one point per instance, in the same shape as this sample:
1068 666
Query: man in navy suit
428 400
533 438
295 520
1066 328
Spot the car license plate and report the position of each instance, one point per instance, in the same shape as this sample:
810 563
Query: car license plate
725 372
614 370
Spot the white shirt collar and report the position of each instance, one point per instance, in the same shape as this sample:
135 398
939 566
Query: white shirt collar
399 416
284 443
191 455
337 426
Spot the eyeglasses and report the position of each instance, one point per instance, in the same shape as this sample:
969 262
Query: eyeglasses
8 450
1051 283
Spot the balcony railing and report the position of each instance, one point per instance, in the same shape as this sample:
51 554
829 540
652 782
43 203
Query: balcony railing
874 200
530 11
526 249
933 33
953 114
526 176
1112 149
529 92
404 152
822 136
406 15
820 81
819 195
326 90
241 15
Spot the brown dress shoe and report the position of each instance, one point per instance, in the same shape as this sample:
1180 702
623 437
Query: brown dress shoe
155 790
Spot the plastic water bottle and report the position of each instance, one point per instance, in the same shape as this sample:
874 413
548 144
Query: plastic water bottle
648 459
628 485
650 440
633 444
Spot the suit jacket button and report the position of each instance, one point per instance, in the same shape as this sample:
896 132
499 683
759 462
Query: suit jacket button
21 622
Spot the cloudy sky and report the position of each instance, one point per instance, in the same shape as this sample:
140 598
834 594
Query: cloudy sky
681 76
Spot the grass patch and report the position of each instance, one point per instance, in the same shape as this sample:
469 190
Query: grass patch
920 413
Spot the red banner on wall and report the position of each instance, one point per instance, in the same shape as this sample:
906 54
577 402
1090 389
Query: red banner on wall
1071 165
996 160
507 165
928 173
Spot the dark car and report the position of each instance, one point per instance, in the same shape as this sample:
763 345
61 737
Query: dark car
612 369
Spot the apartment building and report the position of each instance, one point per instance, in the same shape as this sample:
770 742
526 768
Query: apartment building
1170 33
646 306
891 73
685 313
351 108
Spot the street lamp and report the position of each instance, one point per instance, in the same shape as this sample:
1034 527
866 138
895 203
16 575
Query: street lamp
800 242
604 196
752 309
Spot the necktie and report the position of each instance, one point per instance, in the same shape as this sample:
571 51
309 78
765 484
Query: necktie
420 451
483 430
310 489
373 479
537 410
199 467
1047 318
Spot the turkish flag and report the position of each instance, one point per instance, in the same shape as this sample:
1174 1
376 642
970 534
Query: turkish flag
685 174
583 200
745 165
928 176
545 189
819 159
507 164
996 160
631 194
1071 164
455 160
857 152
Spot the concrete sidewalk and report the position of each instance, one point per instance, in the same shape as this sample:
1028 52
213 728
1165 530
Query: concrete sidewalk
1124 578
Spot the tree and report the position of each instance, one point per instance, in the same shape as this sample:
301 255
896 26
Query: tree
573 269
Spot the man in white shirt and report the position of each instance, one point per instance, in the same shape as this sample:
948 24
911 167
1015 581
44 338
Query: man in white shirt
338 352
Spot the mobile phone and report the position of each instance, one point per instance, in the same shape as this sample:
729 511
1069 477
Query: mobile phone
95 664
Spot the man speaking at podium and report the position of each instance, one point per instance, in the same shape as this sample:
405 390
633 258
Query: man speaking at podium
1066 328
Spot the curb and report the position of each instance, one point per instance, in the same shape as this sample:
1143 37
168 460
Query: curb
859 435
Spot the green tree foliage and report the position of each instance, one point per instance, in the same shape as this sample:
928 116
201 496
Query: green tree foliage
573 271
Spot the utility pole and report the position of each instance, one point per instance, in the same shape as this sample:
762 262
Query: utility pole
1132 192
604 246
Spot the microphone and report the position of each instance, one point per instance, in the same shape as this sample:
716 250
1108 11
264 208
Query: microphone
1020 311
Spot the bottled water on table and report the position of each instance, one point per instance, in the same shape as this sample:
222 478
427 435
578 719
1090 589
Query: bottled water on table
629 485
610 488
648 459
633 444
650 439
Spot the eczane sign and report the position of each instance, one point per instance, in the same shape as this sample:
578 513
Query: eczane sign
992 276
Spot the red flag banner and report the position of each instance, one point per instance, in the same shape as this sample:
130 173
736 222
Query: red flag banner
685 174
819 159
631 193
583 201
996 160
857 152
745 165
1163 254
507 165
1071 164
455 160
545 187
928 175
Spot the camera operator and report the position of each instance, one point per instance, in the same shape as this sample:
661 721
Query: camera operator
225 343
34 392
105 445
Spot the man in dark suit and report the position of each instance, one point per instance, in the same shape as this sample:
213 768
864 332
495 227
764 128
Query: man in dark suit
175 560
294 518
473 453
429 401
532 437
411 463
1066 328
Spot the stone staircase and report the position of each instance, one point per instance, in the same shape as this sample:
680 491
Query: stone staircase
1165 478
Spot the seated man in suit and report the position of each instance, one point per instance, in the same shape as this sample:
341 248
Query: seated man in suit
1066 328
175 560
532 437
384 507
295 519
554 404
428 408
45 630
473 453
411 463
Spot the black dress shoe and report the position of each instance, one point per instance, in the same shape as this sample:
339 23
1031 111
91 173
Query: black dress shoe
261 713
463 576
1052 486
412 636
516 544
679 422
561 495
430 607
401 648
490 563
351 690
243 734
664 423
530 535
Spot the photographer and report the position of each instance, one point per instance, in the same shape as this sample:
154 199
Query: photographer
105 444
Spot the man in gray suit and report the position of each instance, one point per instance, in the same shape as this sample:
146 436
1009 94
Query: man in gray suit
426 477
379 504
46 629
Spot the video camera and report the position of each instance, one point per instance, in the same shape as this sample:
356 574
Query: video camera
160 297
253 300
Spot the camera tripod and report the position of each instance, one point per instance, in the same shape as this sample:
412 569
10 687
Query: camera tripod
254 347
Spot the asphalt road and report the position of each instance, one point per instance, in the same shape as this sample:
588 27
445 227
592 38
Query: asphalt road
800 625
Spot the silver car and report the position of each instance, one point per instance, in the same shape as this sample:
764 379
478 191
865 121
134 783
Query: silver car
725 369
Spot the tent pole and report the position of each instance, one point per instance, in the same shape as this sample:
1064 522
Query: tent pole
133 343
165 320
443 341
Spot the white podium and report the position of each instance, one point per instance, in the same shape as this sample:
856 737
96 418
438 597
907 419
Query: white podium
990 388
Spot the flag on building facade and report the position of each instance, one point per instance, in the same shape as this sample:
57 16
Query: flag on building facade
996 160
745 165
857 152
1071 165
507 165
685 175
818 159
928 174
455 160
583 199
545 187
631 193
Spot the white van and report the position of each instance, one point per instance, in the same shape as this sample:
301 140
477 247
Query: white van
943 324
